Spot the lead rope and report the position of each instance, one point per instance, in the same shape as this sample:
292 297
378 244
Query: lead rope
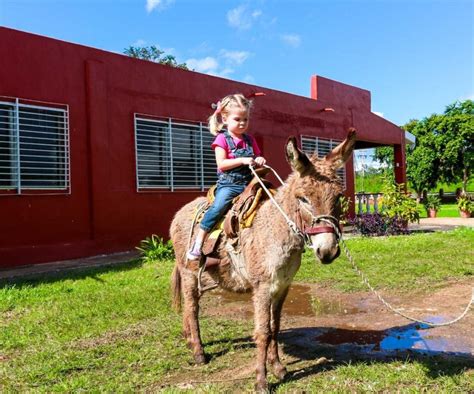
365 280
383 301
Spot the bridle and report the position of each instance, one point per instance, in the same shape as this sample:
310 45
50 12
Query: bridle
319 224
314 228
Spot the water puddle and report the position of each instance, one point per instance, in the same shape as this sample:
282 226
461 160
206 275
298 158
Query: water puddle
299 302
412 337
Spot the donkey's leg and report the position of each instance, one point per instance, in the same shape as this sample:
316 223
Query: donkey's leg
262 303
273 357
191 317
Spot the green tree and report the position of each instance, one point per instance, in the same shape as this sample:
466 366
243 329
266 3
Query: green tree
455 142
422 158
153 54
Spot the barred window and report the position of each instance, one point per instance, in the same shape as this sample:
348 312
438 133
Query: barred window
34 147
172 154
322 147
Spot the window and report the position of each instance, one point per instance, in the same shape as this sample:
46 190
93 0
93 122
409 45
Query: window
322 147
34 148
173 154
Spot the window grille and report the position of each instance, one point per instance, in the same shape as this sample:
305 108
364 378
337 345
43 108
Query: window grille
322 147
173 154
34 148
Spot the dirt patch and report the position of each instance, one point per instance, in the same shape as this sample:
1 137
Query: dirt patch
322 328
359 321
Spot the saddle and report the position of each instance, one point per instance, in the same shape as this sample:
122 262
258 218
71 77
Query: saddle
240 215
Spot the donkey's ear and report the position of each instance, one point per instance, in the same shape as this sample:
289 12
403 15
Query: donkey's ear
341 153
296 158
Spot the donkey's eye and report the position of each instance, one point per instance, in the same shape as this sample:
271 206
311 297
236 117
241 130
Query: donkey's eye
304 200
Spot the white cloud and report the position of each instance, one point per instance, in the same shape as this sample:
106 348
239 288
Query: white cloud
222 65
139 43
241 18
378 113
157 4
235 57
293 40
208 65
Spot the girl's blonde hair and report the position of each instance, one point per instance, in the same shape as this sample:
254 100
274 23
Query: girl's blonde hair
223 108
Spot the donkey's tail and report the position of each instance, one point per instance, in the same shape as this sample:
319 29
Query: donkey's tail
176 288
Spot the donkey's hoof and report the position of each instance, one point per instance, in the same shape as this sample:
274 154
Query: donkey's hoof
280 373
262 387
200 359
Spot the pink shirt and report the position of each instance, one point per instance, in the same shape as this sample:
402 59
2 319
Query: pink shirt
239 143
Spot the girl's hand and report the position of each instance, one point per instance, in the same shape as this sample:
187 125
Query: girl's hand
248 161
260 161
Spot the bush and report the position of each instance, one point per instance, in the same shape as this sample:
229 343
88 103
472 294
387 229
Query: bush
398 205
153 248
344 205
465 203
432 202
379 224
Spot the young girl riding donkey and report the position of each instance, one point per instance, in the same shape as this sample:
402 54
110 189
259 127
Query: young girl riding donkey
235 150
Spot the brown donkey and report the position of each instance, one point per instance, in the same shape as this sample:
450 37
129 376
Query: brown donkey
270 250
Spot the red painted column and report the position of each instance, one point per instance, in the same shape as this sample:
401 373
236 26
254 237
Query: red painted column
400 164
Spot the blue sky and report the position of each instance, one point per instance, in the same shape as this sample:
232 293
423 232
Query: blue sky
414 56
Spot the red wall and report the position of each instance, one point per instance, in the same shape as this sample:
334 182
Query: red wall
104 213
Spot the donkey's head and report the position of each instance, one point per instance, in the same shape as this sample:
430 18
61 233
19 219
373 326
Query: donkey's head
317 188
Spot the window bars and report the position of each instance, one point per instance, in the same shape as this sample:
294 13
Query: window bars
172 154
322 147
34 148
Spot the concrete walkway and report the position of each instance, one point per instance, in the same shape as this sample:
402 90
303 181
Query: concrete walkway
59 267
441 224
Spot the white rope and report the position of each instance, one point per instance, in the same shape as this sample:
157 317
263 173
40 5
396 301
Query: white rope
390 307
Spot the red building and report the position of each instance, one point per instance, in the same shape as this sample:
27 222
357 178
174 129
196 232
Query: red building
99 150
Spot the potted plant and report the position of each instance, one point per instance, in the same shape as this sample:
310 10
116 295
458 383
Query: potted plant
432 205
465 205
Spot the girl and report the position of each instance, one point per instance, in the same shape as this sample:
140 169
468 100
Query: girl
235 151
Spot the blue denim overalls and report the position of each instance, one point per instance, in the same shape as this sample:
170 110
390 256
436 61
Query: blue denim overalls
229 184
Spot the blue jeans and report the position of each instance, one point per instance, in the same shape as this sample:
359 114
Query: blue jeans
225 192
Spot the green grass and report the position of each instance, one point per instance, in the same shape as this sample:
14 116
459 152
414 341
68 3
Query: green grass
112 329
446 211
418 261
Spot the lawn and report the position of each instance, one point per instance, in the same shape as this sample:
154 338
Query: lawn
112 329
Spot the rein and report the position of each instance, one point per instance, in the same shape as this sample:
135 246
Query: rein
333 227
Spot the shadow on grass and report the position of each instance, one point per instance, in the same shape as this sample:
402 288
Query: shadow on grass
74 273
307 344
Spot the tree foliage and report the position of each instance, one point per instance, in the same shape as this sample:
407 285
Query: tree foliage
153 54
444 147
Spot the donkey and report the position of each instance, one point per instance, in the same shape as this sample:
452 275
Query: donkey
270 250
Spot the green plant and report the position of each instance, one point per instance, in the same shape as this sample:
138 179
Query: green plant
432 202
465 203
397 204
344 204
154 248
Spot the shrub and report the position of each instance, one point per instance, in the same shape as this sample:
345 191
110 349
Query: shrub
344 204
378 224
465 203
432 202
398 205
153 248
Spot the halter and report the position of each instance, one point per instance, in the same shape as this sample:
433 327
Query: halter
315 219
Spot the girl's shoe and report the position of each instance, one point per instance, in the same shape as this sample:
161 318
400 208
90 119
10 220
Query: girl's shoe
193 254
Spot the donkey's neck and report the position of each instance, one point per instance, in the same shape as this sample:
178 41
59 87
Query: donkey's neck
287 201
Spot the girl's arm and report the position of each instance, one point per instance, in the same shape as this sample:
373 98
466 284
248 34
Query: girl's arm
224 164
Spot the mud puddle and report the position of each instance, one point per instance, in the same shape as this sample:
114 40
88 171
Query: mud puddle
299 302
315 317
413 337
